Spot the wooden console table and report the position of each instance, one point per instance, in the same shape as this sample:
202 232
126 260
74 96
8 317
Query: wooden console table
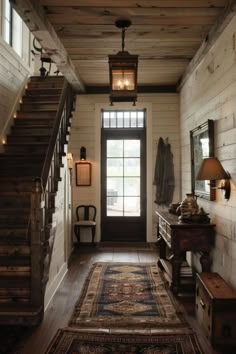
176 238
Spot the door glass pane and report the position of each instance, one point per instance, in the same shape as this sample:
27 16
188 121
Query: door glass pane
132 206
131 148
115 167
132 167
131 186
114 148
115 185
115 206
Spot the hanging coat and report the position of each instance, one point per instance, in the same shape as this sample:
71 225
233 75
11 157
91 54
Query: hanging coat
164 174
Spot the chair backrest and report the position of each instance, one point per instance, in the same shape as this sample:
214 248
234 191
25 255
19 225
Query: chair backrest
86 212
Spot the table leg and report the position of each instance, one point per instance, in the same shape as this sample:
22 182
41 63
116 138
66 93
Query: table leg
205 262
176 265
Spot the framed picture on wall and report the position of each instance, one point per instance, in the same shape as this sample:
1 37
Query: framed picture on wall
83 173
202 146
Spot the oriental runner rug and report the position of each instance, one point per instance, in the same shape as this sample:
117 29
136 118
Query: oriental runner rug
69 341
127 296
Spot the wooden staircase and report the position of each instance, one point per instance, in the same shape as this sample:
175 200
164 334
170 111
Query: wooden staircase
29 175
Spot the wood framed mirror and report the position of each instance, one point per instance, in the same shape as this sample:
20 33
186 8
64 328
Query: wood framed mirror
83 173
202 146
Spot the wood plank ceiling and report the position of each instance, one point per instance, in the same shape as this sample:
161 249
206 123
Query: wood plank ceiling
166 34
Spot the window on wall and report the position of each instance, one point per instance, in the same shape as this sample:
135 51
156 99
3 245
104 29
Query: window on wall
15 32
7 21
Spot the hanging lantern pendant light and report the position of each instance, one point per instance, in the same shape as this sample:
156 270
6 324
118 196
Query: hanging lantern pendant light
123 71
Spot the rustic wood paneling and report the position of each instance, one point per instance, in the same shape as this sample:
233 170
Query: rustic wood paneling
79 35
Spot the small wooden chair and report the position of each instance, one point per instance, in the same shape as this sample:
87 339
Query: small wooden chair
86 217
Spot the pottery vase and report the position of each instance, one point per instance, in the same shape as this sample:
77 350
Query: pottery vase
189 206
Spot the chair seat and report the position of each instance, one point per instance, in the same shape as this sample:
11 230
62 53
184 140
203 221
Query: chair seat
85 223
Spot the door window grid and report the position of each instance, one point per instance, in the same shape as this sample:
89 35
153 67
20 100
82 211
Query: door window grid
123 119
123 178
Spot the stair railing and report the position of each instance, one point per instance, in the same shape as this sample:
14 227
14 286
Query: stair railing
42 196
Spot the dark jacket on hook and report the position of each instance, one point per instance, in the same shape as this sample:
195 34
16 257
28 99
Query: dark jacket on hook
164 174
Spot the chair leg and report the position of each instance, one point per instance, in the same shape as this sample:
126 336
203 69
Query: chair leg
93 233
77 233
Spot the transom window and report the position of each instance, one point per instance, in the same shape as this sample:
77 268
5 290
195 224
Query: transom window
123 119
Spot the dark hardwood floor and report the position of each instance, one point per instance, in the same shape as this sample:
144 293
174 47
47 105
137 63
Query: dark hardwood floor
61 307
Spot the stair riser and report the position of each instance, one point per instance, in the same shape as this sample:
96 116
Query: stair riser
5 219
36 115
51 78
46 98
9 250
28 149
45 85
48 122
15 139
21 171
14 202
12 159
38 92
28 131
17 235
15 186
38 107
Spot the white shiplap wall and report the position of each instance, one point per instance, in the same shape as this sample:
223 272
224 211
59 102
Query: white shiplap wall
162 121
210 93
12 74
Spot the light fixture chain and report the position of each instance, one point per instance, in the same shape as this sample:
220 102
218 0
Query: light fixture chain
123 39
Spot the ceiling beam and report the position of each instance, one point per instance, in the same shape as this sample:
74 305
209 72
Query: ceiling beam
32 13
211 38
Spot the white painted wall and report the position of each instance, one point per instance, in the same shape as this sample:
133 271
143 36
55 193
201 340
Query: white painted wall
210 93
13 72
162 121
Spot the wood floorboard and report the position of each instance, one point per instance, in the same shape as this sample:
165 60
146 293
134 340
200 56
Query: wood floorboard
61 307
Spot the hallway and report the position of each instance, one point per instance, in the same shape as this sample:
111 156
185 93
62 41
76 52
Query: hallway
61 307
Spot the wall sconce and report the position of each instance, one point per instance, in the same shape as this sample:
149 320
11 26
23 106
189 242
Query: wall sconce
211 169
82 153
70 160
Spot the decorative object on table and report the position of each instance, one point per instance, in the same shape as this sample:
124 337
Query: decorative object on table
127 296
189 205
173 208
70 340
164 173
189 212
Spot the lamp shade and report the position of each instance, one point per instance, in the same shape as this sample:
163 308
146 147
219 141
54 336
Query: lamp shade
211 169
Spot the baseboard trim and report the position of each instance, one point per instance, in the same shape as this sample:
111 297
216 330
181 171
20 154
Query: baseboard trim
51 290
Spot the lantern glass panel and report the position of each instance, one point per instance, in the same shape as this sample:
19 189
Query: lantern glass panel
123 79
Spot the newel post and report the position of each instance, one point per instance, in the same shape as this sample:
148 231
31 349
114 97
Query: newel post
36 242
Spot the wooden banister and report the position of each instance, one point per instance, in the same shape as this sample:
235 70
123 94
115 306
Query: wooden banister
43 190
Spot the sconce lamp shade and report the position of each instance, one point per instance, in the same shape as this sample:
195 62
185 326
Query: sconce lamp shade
82 153
211 169
70 160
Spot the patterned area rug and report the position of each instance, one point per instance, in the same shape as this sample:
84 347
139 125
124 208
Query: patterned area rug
126 246
126 296
68 341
